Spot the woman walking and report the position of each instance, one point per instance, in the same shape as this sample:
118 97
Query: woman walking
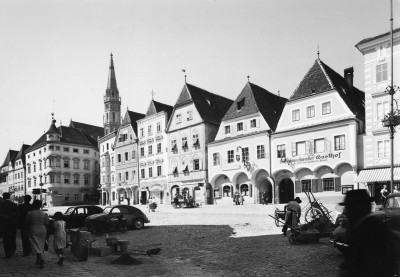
37 221
60 236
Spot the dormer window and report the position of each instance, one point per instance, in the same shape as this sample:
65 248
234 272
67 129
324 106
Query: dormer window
240 104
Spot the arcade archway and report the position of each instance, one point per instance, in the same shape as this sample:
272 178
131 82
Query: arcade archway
286 190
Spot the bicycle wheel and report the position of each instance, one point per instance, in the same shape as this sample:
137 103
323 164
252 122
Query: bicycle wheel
312 214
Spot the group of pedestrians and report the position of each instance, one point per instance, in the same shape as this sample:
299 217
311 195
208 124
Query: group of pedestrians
238 198
34 226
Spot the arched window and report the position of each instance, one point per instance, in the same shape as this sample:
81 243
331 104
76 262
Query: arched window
244 189
227 191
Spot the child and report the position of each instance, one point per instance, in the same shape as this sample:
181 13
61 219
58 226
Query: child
60 236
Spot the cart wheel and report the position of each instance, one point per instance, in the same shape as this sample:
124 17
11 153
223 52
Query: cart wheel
313 213
293 239
276 219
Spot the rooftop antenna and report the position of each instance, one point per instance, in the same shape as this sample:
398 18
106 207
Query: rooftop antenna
248 78
184 71
152 93
318 51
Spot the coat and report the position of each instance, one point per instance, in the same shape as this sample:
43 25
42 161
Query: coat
293 208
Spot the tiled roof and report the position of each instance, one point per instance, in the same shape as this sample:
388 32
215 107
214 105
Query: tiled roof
210 106
257 99
156 107
21 153
131 118
91 130
321 78
377 37
11 154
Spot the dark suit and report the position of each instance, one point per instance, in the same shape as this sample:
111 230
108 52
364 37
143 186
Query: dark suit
9 218
23 210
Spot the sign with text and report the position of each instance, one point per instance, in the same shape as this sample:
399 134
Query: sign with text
311 159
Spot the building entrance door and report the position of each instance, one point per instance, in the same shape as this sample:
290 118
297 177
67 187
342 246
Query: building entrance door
286 190
265 186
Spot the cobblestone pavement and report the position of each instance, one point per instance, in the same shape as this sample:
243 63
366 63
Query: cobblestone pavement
205 241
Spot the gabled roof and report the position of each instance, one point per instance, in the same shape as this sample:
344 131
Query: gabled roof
11 155
210 106
21 153
93 131
377 37
156 107
257 99
131 118
321 78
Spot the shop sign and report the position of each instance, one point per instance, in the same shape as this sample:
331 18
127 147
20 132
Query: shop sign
311 159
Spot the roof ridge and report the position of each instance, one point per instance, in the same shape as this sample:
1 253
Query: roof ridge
298 86
322 65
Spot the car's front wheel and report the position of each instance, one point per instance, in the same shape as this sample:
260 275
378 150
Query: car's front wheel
138 223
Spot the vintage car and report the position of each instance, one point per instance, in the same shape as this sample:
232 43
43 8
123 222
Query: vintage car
75 216
134 217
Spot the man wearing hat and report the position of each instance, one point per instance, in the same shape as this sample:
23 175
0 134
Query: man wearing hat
292 215
372 247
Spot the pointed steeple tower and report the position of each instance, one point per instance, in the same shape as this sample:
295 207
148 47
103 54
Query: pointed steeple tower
112 102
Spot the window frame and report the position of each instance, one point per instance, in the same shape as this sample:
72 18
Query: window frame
295 115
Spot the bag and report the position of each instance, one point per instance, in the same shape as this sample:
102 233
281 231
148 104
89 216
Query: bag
46 246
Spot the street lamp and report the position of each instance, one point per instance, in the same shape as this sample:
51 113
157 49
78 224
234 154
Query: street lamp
41 185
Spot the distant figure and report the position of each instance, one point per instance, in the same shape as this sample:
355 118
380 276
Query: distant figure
37 221
292 215
384 194
367 236
9 218
264 198
23 210
241 199
396 189
60 236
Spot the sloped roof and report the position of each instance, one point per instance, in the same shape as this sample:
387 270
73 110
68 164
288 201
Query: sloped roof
321 78
257 99
131 118
210 106
91 130
376 37
156 107
11 154
21 153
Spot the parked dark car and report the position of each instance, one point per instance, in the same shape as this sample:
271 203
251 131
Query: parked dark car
134 218
75 216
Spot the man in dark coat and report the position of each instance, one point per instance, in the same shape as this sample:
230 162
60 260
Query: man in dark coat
23 210
9 217
292 215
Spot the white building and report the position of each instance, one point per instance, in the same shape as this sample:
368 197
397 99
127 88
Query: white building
17 184
239 158
153 159
107 167
314 147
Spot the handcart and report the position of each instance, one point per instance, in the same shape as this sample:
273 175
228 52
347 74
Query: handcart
315 209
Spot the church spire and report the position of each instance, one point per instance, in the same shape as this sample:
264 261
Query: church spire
112 81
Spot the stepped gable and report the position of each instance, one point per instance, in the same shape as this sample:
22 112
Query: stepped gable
131 118
21 153
258 99
321 78
11 155
93 131
156 107
210 106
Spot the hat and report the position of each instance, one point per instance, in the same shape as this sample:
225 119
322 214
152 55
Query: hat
356 198
297 199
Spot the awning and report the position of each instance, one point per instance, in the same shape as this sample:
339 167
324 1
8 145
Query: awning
378 175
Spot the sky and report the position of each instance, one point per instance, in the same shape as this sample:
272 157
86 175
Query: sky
56 54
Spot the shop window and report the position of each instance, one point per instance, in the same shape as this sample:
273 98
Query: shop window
227 191
328 184
305 185
244 190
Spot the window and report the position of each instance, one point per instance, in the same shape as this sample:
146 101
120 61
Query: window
149 130
66 197
76 180
381 110
76 164
340 142
296 115
141 132
319 145
126 175
52 179
133 154
86 165
126 156
227 129
66 149
245 154
158 126
66 163
75 150
86 180
119 177
76 197
240 104
141 151
260 151
159 170
112 160
310 111
29 169
159 147
51 147
216 159
230 156
29 183
150 150
174 147
66 179
381 73
326 108
119 158
85 151
178 118
305 185
189 115
184 143
253 123
57 148
142 173
196 164
328 184
240 126
196 140
150 172
383 148
300 148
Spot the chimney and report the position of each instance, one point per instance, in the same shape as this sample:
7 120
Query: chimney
348 76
